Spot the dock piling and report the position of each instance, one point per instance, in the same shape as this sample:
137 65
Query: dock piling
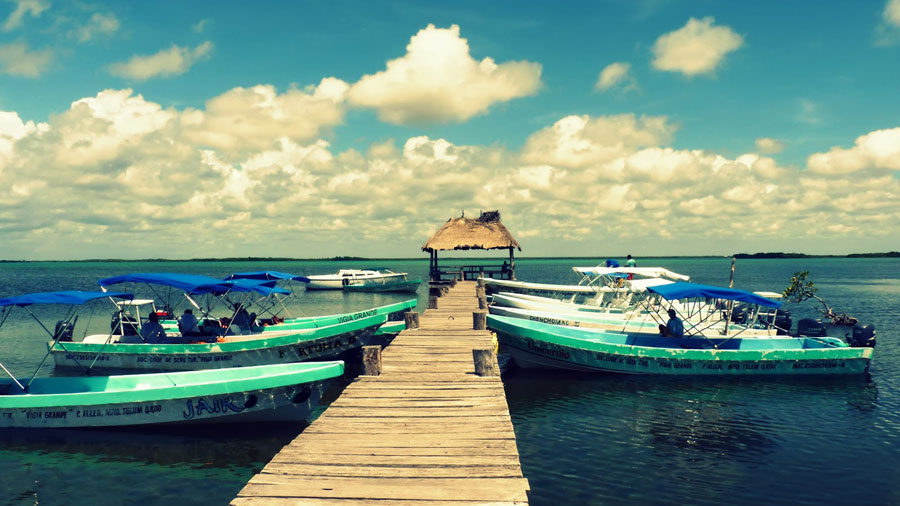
371 360
484 362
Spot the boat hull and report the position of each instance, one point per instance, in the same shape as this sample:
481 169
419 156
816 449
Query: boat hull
286 392
239 351
540 346
410 286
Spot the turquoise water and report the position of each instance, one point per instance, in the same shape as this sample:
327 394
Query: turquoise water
583 439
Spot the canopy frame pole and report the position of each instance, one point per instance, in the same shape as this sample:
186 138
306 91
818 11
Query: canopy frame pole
70 313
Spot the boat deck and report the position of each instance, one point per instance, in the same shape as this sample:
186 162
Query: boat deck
427 430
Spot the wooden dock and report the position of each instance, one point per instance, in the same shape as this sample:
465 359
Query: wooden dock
426 431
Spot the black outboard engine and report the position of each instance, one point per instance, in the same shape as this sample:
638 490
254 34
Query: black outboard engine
862 336
783 322
128 324
63 330
811 328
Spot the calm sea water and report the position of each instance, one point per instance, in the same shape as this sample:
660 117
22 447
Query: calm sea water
583 439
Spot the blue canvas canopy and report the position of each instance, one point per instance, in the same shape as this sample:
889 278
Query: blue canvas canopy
262 286
193 284
63 297
267 275
682 290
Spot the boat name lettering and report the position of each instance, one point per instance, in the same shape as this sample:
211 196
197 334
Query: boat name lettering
555 321
334 344
357 316
819 364
203 405
547 351
86 356
149 359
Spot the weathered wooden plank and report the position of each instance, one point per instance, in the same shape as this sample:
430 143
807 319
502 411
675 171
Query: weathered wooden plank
406 460
316 470
470 489
311 501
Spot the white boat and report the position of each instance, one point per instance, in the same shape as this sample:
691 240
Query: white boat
258 393
347 276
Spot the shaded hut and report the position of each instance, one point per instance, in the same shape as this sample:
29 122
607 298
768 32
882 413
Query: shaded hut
485 232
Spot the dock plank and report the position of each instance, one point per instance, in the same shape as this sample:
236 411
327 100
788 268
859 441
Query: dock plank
425 431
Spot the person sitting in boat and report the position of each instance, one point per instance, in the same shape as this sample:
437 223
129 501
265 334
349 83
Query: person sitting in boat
188 324
242 319
674 327
152 332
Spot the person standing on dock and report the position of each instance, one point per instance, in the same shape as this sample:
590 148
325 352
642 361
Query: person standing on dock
630 263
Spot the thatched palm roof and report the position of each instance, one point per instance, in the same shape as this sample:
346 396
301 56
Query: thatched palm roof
484 232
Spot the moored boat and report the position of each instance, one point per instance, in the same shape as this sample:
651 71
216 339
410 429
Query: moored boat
542 345
337 280
278 392
258 393
372 286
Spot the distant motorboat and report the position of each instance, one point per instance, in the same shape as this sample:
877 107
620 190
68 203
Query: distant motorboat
346 276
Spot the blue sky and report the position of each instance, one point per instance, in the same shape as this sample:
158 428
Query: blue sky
656 127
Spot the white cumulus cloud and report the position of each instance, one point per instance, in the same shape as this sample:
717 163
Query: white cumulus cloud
16 18
875 153
696 48
769 146
438 81
99 25
166 63
891 13
17 59
255 118
615 74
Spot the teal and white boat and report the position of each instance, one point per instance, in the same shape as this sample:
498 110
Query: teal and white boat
259 393
289 345
334 319
538 344
383 285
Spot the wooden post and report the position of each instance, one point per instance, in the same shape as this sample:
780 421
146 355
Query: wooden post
482 302
512 264
479 291
479 320
371 360
411 318
484 362
432 302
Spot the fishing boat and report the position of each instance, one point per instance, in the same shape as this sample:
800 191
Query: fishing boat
344 276
383 285
260 393
323 321
701 351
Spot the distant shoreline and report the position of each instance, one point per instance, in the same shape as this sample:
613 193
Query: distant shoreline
769 255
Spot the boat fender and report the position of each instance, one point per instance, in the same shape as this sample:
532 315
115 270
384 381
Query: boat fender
862 336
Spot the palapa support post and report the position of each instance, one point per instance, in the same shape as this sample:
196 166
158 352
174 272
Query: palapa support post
484 362
371 360
412 319
479 320
432 302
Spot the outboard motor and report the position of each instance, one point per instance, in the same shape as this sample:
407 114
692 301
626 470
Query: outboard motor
862 336
63 330
128 321
783 322
810 328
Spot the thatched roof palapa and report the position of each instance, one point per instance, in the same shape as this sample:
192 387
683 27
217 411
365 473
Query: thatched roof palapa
484 232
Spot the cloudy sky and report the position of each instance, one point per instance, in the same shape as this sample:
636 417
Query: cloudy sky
316 128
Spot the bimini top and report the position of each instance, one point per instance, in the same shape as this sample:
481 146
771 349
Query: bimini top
649 272
687 290
64 297
191 283
268 276
265 287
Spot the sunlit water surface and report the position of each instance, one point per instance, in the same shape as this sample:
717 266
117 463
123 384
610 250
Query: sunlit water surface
583 439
